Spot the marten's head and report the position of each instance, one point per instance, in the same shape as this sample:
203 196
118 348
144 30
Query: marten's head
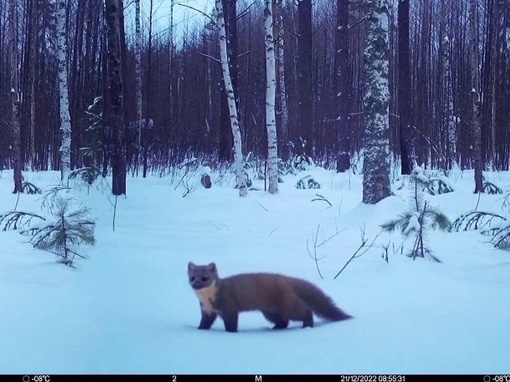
202 276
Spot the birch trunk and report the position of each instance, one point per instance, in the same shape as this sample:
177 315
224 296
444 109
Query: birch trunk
284 111
15 98
272 148
65 119
376 182
234 121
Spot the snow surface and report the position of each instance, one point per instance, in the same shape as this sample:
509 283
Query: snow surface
128 307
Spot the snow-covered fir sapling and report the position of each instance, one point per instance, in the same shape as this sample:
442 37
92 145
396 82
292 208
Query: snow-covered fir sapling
94 134
434 184
307 182
420 217
70 227
86 175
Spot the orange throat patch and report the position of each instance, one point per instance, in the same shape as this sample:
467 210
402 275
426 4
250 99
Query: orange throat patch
206 296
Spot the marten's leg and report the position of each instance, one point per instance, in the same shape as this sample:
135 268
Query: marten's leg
207 320
230 320
278 321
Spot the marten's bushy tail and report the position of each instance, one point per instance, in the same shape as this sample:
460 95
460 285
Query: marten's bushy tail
321 304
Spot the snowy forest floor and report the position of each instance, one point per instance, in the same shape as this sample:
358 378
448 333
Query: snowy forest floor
128 307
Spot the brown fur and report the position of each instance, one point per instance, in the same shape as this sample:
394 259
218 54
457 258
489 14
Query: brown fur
280 298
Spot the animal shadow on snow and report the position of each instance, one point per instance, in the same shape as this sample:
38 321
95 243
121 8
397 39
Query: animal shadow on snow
293 327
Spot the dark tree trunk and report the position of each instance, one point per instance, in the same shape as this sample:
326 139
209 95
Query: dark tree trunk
342 86
476 104
304 78
404 90
225 132
225 147
115 88
106 112
15 98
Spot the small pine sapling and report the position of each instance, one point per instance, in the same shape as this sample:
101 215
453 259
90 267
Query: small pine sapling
70 228
94 133
418 220
86 175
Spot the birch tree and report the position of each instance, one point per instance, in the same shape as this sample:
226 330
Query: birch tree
234 121
15 97
376 182
272 148
65 119
280 62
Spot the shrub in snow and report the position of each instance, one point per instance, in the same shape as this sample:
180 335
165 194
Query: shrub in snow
439 186
307 182
491 188
501 237
301 162
70 228
488 223
30 188
86 175
285 168
418 220
14 220
247 179
433 184
478 220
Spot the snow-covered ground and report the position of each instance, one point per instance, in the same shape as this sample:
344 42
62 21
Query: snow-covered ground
128 308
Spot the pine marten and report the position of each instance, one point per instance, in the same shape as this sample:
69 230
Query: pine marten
280 298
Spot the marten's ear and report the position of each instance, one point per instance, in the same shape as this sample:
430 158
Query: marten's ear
191 266
212 267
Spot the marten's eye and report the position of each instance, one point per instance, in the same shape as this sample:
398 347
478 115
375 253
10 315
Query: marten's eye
192 279
204 279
